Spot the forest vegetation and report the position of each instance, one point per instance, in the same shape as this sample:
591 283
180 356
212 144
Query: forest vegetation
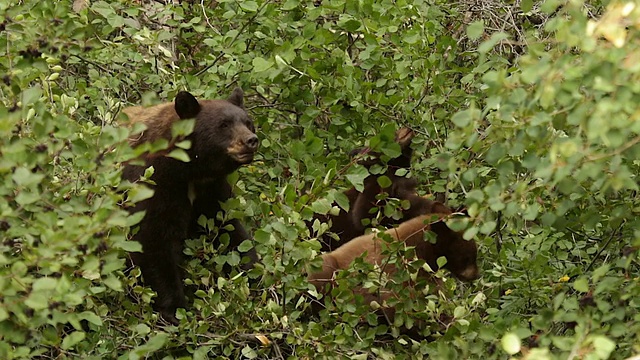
525 114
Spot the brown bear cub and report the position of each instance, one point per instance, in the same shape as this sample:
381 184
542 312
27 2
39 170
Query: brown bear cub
460 254
222 140
347 225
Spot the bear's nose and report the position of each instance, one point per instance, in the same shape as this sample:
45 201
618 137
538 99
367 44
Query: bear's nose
251 142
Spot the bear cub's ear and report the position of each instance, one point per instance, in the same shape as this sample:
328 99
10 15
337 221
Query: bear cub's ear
187 107
236 97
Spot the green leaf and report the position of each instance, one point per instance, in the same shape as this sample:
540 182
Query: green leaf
112 282
155 343
129 246
31 95
510 343
260 64
245 246
37 300
464 118
26 198
90 317
142 329
130 220
459 312
351 25
550 6
148 172
280 61
179 154
581 284
488 227
600 272
313 144
45 283
250 6
139 193
297 149
321 206
548 219
262 236
384 181
470 233
342 200
402 172
526 5
233 259
603 346
248 352
182 128
475 29
290 5
412 37
24 177
486 46
72 339
356 177
392 150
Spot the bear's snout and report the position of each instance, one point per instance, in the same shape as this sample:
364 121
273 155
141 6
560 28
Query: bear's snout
470 273
243 148
251 142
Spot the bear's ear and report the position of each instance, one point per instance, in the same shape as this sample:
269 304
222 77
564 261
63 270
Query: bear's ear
236 97
404 136
187 107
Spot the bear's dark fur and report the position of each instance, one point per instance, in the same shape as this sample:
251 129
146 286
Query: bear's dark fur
222 140
348 225
461 255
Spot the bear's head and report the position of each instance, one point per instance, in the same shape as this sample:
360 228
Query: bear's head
223 137
461 254
403 138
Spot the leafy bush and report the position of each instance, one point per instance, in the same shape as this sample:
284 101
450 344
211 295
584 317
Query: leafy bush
542 147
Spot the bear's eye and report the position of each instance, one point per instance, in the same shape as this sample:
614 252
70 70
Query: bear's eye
225 124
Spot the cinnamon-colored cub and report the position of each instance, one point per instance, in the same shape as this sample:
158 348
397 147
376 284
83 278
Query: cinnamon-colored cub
461 254
346 225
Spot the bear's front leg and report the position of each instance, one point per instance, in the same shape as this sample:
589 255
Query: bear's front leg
161 271
207 198
162 232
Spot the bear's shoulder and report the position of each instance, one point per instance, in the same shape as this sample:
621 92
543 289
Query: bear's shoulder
157 119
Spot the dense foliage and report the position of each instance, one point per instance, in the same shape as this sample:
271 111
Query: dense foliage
536 130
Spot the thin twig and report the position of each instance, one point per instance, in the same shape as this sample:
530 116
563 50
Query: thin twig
242 28
206 18
93 63
618 151
605 246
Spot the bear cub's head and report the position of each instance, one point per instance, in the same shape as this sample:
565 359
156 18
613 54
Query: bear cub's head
224 136
461 254
404 135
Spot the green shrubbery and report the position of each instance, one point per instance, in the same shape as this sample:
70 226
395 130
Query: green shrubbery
541 148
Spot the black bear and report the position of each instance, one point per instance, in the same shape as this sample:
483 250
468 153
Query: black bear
222 140
461 254
349 224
